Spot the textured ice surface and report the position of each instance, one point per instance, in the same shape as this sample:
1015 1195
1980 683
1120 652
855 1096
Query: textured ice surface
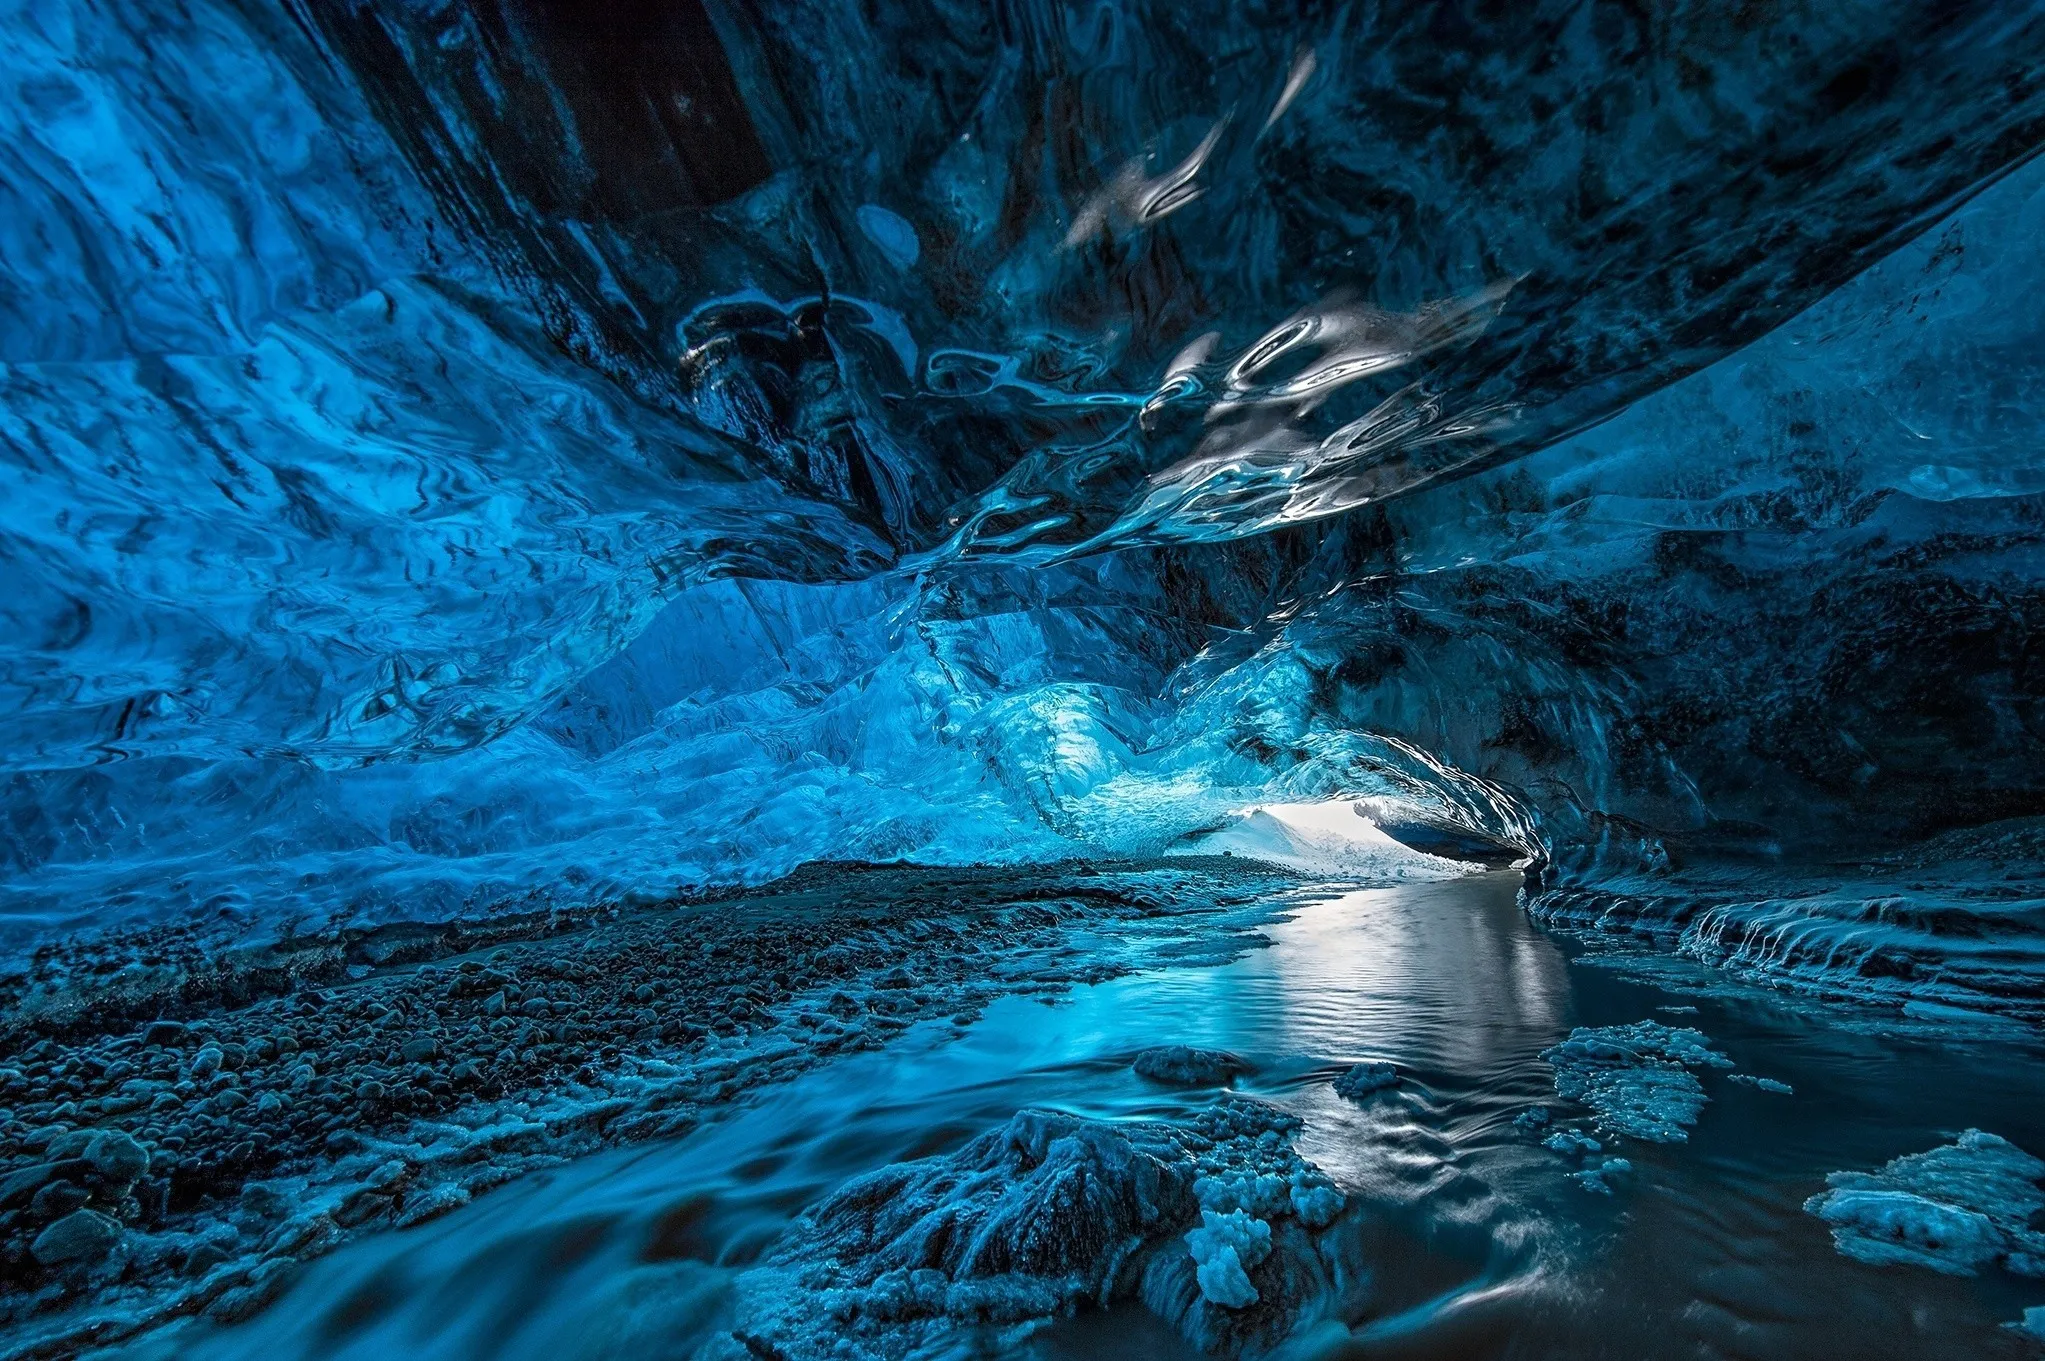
1049 1211
1361 1080
1596 1178
1186 1067
1766 1084
1571 1144
1224 1247
1970 1204
1636 1078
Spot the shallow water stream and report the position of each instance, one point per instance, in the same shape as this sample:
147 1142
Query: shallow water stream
1479 1244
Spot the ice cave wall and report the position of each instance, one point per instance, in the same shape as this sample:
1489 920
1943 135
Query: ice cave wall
469 453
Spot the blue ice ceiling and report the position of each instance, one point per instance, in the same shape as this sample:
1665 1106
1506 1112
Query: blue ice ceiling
469 453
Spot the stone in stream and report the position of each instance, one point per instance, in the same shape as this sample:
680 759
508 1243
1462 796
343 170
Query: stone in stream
1181 1066
1212 1222
23 1183
1365 1078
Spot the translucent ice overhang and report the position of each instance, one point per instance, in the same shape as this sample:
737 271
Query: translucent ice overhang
455 454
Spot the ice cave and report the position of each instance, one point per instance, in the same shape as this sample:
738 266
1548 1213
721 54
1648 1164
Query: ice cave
1082 680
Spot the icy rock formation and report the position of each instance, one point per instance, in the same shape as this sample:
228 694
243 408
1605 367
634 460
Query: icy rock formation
1636 1078
1364 1078
1047 1214
1224 1247
1766 1084
1181 1066
1595 1178
1973 1203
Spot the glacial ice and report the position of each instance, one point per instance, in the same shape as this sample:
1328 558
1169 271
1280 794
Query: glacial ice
1571 1143
471 462
420 500
1636 1078
1223 1248
1331 838
1957 1208
1048 1211
1360 1080
1596 1178
1181 1066
1766 1084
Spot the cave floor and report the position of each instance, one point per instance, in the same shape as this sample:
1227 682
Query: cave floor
694 1077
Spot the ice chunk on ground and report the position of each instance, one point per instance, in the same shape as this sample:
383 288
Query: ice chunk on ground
1223 1280
1223 1247
1593 1178
1365 1078
1570 1144
1315 1202
1636 1077
1184 1067
1766 1084
1047 1212
1956 1209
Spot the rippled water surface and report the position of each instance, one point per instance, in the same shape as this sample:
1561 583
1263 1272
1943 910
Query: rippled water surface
1479 1245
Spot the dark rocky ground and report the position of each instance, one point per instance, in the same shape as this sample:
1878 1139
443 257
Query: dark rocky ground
181 1128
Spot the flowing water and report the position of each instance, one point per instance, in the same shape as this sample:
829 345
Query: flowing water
1478 1243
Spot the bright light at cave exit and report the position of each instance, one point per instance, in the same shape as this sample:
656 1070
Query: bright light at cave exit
1336 834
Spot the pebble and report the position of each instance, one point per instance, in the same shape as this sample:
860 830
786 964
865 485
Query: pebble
57 1199
81 1236
117 1156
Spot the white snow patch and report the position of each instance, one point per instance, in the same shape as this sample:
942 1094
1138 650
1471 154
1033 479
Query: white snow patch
1332 837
